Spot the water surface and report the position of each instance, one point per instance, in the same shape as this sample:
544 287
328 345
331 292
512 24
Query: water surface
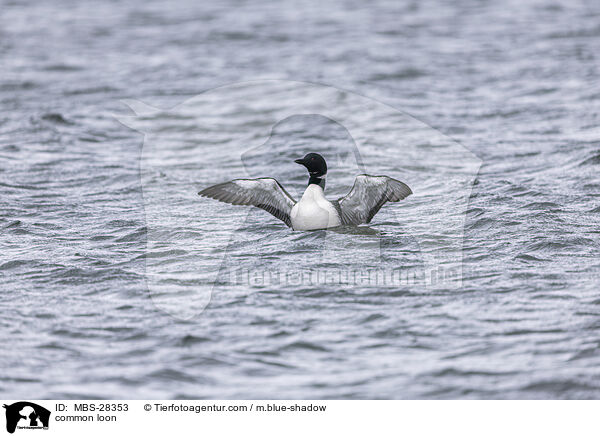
516 84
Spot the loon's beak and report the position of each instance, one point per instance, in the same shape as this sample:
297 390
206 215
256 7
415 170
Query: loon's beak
299 161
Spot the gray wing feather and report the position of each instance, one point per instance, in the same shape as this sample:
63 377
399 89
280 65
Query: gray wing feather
368 195
265 193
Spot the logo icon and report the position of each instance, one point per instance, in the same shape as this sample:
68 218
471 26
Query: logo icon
26 415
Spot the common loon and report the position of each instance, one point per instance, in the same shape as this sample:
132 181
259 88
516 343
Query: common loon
313 211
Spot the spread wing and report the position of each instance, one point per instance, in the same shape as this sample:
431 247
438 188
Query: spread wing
265 193
367 196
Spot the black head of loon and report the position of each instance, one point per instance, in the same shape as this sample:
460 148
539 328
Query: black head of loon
316 166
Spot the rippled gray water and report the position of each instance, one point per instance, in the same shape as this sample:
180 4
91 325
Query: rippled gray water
90 209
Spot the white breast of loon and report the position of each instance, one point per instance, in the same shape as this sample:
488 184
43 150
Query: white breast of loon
314 211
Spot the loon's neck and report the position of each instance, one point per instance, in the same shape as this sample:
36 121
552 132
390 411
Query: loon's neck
320 181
